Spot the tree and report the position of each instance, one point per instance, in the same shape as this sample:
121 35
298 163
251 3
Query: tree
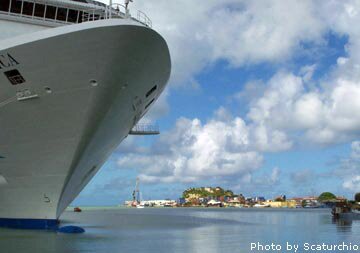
202 192
357 197
303 203
281 198
326 196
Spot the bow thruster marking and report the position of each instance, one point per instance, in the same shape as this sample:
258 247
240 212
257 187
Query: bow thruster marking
46 199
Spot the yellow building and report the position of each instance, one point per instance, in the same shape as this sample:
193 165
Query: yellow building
282 204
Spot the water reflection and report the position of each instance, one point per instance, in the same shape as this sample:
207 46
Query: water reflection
343 225
183 230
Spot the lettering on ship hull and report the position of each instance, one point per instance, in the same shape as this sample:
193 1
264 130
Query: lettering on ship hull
7 61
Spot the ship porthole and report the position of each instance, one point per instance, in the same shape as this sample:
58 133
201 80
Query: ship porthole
93 83
48 90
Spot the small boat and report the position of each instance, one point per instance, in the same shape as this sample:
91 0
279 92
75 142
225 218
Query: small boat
140 206
345 211
214 203
77 210
261 205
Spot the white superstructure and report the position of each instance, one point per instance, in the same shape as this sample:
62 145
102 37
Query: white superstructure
76 77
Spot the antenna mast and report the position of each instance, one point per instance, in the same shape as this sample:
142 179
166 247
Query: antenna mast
137 190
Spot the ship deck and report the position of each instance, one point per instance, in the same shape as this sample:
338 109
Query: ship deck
53 13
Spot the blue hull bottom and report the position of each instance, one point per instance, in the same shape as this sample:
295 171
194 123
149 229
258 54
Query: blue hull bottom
29 223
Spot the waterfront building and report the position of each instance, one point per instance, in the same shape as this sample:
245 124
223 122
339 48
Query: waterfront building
155 203
233 203
214 203
258 199
281 204
160 203
181 201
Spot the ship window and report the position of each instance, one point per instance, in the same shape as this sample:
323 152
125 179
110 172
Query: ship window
87 16
61 14
73 16
152 101
4 5
39 10
81 16
151 91
14 77
16 6
28 8
50 12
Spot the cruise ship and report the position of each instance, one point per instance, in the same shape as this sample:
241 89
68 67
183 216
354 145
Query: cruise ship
76 78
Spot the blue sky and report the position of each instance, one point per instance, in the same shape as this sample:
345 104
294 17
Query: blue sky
264 99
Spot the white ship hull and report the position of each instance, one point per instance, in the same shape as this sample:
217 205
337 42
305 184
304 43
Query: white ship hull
88 85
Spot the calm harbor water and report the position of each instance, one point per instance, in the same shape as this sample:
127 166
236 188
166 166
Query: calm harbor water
186 230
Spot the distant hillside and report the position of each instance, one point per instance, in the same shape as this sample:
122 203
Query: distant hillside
203 192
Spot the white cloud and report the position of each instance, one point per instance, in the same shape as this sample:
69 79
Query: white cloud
345 100
224 147
275 175
352 184
303 177
349 169
256 31
307 72
342 61
193 151
251 90
325 117
355 147
240 32
268 140
278 100
308 110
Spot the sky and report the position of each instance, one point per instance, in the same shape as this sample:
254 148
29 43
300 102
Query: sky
263 99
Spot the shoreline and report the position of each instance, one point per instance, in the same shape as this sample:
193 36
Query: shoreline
89 208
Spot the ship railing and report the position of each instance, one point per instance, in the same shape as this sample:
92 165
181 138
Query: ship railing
120 11
57 12
143 18
117 11
93 15
34 18
145 129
